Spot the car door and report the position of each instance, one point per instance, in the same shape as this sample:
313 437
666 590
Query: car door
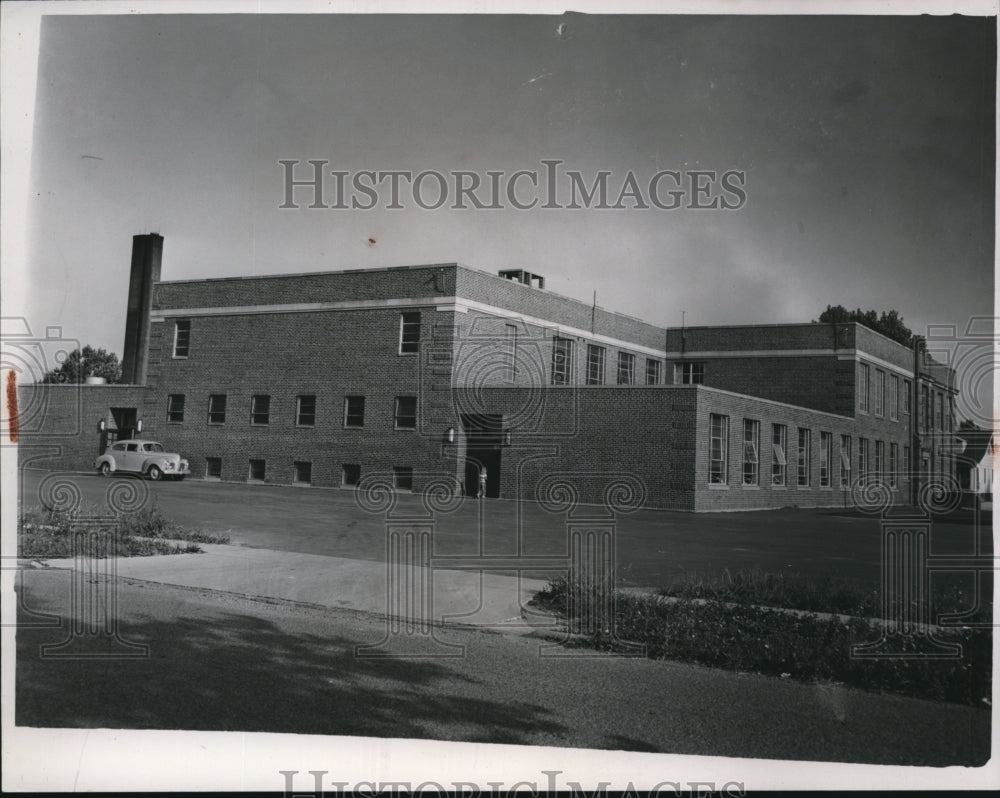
117 452
132 458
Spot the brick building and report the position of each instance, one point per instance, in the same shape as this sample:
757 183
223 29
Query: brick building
427 372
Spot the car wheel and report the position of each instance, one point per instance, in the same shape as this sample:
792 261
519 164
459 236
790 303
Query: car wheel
154 473
104 469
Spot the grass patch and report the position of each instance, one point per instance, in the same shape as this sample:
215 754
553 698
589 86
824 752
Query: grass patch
45 532
799 645
826 594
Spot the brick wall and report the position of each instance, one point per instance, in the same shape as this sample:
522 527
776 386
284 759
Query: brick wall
734 495
329 355
59 423
514 296
595 435
359 285
482 354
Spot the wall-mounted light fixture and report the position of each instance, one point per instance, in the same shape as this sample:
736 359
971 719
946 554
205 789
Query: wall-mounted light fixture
506 437
138 425
101 425
450 435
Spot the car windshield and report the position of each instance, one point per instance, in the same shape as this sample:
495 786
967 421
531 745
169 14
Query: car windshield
152 447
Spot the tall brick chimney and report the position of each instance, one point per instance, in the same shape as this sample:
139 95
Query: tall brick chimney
147 252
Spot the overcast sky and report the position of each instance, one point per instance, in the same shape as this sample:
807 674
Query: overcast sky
867 145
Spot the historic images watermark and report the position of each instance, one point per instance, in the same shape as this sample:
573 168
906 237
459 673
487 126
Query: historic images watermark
549 783
311 183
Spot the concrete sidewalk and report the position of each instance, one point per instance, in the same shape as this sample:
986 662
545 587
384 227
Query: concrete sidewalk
416 594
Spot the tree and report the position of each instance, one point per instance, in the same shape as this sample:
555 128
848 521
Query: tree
890 324
87 362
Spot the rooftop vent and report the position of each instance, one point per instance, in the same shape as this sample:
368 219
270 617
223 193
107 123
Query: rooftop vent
521 276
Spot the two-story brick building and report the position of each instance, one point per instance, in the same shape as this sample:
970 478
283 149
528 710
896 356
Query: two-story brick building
418 372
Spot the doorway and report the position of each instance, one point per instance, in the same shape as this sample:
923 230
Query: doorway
122 427
484 440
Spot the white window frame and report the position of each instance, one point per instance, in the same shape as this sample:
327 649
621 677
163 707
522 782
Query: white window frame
751 449
718 444
779 455
803 454
298 410
845 461
626 368
863 387
825 459
562 370
510 352
595 363
654 365
187 345
404 326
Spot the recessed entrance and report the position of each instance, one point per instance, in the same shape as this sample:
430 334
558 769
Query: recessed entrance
484 439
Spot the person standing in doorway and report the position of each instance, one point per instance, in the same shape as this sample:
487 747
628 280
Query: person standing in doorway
482 483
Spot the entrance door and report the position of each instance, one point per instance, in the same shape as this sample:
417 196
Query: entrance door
484 437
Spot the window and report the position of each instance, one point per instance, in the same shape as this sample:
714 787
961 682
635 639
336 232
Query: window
939 412
862 460
894 397
260 410
718 444
845 461
879 460
182 338
213 468
863 388
906 461
354 411
409 332
175 408
689 373
779 442
825 445
351 475
907 395
803 458
653 368
924 403
510 351
406 412
257 471
217 408
562 360
893 464
402 477
626 368
305 411
751 446
879 393
303 473
595 365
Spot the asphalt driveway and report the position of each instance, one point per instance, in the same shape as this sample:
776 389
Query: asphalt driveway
651 545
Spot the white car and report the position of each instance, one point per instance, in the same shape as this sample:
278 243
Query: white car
148 458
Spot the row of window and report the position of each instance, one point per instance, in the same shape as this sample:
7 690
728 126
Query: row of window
409 335
562 365
873 399
350 473
404 412
718 458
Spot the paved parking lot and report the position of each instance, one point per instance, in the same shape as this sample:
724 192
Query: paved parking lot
651 544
